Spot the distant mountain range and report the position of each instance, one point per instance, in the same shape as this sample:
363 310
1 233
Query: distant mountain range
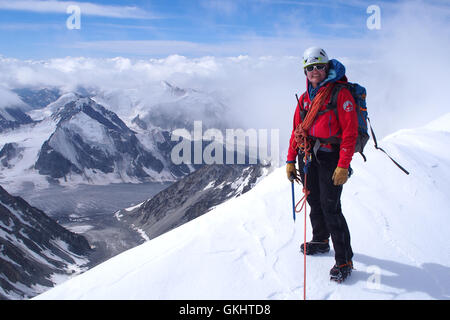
100 137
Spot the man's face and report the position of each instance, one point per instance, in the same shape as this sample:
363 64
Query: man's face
316 75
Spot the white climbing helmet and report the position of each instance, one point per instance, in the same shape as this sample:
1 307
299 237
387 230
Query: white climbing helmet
314 55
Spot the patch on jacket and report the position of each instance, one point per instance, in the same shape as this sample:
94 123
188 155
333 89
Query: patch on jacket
348 106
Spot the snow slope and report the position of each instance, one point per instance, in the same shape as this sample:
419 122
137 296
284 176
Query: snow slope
248 247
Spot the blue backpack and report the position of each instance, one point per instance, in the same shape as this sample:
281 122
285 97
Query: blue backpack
359 95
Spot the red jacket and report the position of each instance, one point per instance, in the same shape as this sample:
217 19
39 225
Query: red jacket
326 125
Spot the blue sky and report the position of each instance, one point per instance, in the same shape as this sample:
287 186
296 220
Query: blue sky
36 29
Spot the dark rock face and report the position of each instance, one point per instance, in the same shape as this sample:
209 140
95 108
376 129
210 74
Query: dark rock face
137 120
9 152
18 116
33 248
191 197
53 163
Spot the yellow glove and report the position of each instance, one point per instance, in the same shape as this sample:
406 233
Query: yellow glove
340 176
291 172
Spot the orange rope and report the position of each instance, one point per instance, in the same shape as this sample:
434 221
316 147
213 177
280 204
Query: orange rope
317 102
304 250
301 134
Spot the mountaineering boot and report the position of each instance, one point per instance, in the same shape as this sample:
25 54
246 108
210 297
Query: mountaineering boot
340 272
314 247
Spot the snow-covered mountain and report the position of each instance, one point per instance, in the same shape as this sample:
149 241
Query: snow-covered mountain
248 247
35 251
90 139
76 140
191 197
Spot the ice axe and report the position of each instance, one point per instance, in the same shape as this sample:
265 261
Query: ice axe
293 200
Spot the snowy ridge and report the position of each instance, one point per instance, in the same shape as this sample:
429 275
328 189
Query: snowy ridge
248 247
191 197
40 114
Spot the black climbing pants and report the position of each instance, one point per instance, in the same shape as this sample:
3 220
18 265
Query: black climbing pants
325 202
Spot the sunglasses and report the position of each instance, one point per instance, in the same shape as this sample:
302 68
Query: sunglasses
316 66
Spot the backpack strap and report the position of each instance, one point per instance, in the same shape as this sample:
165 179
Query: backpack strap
300 103
332 104
378 148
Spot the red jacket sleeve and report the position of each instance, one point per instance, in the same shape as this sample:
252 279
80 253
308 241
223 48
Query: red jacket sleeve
292 152
348 122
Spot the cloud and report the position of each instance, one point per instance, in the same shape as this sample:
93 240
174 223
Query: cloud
30 26
293 3
87 8
409 72
9 98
